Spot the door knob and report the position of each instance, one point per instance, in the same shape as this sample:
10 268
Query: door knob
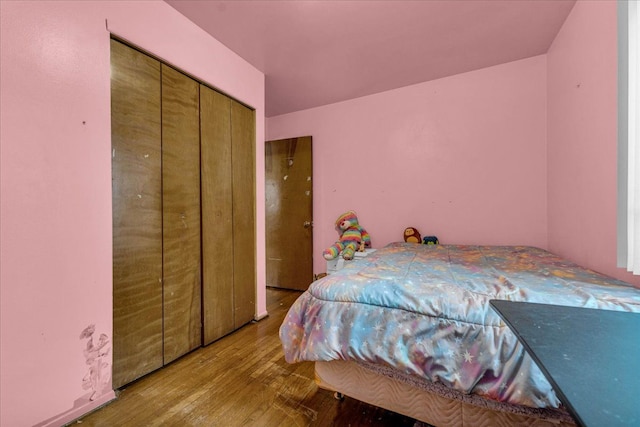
307 224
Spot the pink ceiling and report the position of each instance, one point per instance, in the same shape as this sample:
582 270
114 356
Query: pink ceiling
320 52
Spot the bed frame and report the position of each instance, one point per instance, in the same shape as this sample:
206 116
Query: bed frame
430 403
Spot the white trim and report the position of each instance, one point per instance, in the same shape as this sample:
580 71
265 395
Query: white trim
629 136
623 115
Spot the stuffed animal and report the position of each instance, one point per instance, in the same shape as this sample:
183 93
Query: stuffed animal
431 240
412 235
352 238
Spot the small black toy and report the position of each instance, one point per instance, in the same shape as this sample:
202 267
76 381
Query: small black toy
430 240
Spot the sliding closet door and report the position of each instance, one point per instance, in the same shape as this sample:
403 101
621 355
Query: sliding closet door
244 216
181 213
217 215
137 214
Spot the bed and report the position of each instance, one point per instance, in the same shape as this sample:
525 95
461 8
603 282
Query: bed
409 328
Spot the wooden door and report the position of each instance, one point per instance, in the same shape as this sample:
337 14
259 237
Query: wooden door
289 207
181 213
217 214
137 214
243 153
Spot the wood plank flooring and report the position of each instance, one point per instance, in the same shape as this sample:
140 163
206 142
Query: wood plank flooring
239 380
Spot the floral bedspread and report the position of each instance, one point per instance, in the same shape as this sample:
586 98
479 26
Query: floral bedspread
424 310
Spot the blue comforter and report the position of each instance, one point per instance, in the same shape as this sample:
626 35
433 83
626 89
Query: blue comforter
424 310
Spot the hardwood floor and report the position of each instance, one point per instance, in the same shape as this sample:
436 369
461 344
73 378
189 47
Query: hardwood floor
239 380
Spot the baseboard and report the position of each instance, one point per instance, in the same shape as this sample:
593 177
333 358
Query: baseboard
81 407
261 316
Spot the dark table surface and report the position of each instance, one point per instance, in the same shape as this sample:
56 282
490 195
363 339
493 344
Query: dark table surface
591 357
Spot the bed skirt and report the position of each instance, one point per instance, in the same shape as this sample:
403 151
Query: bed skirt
430 403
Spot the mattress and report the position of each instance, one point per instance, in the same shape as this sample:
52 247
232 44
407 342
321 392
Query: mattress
424 311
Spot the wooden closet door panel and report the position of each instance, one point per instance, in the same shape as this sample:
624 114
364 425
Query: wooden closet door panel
181 213
217 218
244 222
137 214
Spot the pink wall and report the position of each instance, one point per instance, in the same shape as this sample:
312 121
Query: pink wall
55 185
582 138
463 157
